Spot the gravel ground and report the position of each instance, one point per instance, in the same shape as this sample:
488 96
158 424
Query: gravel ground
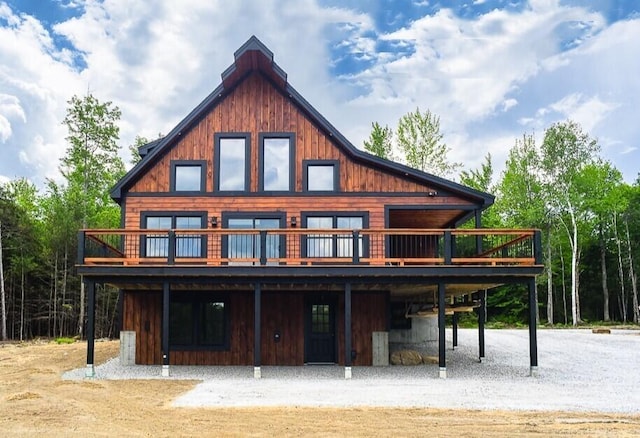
578 371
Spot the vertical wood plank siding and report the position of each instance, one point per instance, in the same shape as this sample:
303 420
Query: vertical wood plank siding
281 311
256 106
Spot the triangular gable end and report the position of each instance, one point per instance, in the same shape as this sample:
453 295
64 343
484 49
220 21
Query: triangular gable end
255 56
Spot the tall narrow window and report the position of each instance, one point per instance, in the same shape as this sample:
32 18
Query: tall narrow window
320 175
276 162
232 162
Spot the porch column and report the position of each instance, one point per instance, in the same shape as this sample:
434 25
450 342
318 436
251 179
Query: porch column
347 331
482 314
166 291
455 330
441 339
91 311
257 338
533 337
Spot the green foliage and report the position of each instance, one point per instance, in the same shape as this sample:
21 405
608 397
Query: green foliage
380 142
420 139
63 340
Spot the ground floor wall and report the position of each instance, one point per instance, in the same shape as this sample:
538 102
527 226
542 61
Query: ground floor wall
284 329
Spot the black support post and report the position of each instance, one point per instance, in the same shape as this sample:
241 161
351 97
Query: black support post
448 247
455 330
166 296
171 256
347 331
257 338
91 311
441 332
482 316
533 337
81 238
263 247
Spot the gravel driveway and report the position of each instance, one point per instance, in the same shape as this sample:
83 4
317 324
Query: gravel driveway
578 371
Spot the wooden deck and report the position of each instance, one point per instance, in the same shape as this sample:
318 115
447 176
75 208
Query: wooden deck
309 247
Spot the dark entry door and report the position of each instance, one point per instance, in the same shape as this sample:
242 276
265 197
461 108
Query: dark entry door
320 339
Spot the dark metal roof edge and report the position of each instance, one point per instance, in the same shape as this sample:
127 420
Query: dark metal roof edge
116 192
255 44
398 168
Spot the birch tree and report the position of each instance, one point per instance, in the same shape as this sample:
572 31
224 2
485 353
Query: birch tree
565 152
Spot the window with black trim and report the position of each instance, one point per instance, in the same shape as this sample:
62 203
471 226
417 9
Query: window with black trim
186 245
321 175
199 321
334 245
188 176
231 157
250 246
276 162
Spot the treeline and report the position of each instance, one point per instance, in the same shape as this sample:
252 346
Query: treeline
41 295
589 216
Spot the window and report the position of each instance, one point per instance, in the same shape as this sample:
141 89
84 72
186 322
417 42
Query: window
277 161
333 245
186 245
249 246
232 156
321 175
198 321
188 176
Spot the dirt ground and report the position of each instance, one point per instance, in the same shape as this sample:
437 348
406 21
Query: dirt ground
34 400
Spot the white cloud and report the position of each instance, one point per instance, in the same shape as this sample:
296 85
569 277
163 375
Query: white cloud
488 78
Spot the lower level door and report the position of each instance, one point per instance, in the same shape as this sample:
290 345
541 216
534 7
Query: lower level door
320 339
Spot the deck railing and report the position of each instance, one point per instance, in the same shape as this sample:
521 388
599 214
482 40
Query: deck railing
232 247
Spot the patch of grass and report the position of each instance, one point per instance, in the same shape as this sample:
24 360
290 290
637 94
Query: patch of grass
65 340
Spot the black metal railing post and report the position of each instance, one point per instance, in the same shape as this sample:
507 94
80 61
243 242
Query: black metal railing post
448 243
537 246
263 247
81 240
171 256
355 257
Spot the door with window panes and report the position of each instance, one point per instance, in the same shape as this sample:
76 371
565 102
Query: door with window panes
250 246
187 245
320 337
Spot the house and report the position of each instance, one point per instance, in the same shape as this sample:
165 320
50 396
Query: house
254 233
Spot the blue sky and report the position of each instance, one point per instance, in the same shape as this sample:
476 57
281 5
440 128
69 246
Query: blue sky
491 69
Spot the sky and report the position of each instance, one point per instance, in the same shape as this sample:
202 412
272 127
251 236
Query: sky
492 70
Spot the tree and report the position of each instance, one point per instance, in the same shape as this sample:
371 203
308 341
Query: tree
420 139
380 142
91 164
565 151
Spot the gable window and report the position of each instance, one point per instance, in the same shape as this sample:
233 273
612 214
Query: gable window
188 176
199 321
186 245
321 175
277 160
232 154
333 245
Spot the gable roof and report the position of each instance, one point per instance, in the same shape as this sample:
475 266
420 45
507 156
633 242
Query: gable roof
255 56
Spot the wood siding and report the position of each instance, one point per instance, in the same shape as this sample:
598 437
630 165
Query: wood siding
256 106
282 312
